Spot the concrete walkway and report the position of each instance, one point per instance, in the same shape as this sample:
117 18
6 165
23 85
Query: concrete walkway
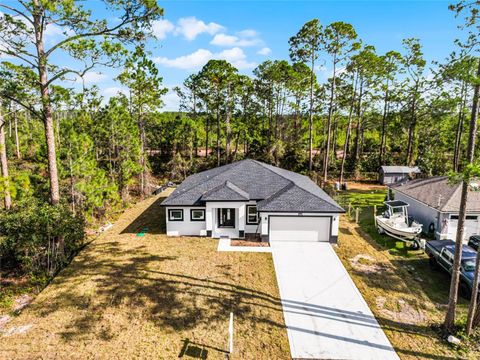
325 314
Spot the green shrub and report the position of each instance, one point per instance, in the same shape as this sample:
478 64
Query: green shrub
38 238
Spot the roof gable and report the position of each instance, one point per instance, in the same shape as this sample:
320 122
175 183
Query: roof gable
226 192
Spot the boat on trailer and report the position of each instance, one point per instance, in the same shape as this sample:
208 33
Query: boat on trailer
395 223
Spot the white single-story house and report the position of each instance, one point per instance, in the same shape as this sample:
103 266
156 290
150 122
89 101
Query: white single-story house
251 197
393 174
435 203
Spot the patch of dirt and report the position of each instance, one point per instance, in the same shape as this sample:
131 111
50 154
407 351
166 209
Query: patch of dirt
4 320
21 303
368 265
248 243
404 312
14 330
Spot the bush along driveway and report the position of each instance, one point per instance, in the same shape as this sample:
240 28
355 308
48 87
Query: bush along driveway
153 297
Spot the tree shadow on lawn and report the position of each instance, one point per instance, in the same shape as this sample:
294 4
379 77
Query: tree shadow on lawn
131 285
172 301
152 218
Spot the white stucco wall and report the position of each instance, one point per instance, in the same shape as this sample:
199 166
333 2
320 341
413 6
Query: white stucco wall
185 227
200 228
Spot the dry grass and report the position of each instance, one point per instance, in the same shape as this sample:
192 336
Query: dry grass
407 297
127 297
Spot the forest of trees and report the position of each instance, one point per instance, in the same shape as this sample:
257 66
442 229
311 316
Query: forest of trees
72 158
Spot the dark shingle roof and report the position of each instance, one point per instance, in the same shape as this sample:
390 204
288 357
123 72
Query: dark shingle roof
438 193
275 189
225 192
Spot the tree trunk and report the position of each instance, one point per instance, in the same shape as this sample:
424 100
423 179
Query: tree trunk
235 151
46 107
358 129
143 163
17 142
348 130
458 135
384 129
329 122
310 117
452 299
411 129
4 164
218 135
227 128
472 310
207 123
195 121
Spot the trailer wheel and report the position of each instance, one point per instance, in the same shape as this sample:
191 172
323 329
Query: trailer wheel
380 230
433 262
415 245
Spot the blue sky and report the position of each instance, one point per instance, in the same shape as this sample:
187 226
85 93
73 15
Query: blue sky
249 32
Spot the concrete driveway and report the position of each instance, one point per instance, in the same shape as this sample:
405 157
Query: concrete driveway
325 314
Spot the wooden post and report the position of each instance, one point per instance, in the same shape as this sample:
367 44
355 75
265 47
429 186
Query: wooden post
349 209
356 214
230 333
374 210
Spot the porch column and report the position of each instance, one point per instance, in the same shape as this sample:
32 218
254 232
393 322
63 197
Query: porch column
209 220
241 221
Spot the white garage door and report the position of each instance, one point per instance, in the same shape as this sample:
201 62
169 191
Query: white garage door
472 226
299 228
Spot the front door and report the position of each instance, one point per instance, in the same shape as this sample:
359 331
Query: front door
226 218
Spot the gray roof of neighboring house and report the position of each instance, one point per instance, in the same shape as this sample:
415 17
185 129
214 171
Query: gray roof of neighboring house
400 169
274 189
438 193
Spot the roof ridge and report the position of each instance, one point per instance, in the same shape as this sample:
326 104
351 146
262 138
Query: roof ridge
236 188
214 176
451 196
301 187
282 190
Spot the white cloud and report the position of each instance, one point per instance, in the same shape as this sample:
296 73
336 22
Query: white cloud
264 51
236 57
108 92
190 61
200 57
224 40
91 78
247 33
171 101
55 31
161 28
231 40
191 27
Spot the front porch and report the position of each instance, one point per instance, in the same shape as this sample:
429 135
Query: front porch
225 219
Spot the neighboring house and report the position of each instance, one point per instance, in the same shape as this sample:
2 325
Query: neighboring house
393 174
250 197
435 203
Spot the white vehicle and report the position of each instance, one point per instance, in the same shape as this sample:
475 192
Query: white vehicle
395 223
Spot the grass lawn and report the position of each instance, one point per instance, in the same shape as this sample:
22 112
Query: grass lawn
126 296
407 297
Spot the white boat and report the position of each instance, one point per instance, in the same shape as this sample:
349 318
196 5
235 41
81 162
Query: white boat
395 223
